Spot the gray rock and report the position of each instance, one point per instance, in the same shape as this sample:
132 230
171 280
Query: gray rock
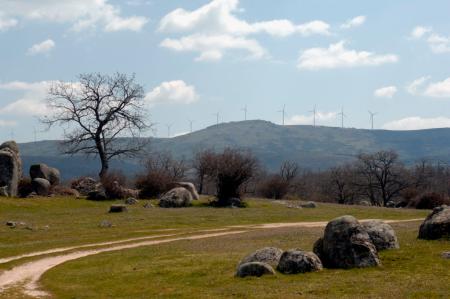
191 188
365 203
45 172
105 224
310 205
254 269
85 185
10 167
381 234
41 186
11 224
131 201
176 198
267 255
99 195
390 204
436 225
346 244
149 205
118 208
298 261
446 255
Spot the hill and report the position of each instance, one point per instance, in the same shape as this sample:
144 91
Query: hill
314 148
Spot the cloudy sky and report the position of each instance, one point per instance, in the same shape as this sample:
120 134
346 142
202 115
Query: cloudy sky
198 58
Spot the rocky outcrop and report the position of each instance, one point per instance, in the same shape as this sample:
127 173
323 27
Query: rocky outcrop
190 187
381 234
254 269
346 244
298 261
436 225
176 198
85 185
10 167
41 186
43 171
267 255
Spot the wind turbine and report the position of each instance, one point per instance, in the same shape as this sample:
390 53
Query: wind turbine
191 122
35 134
217 118
245 112
314 111
342 115
169 126
372 114
283 114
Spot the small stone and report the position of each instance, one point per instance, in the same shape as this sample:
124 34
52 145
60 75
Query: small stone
131 201
11 224
118 209
446 255
254 269
148 205
309 205
105 224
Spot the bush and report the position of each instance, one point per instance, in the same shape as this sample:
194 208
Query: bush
428 201
153 184
113 183
273 187
59 190
24 188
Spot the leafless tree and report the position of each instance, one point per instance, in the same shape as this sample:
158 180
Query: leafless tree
99 109
341 184
289 170
203 164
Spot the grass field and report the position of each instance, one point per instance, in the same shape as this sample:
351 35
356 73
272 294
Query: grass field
205 268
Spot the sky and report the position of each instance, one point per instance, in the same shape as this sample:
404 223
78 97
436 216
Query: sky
200 58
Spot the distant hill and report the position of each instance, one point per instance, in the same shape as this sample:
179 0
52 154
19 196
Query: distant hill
312 147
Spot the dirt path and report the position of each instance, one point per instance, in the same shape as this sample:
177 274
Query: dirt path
27 275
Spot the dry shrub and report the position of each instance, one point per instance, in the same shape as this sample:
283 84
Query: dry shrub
59 190
113 183
428 201
24 187
273 187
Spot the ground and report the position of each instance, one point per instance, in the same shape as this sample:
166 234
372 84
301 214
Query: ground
204 268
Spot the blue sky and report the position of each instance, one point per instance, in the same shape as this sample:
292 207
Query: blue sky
197 58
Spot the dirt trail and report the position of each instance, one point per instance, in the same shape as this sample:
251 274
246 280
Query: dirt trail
27 275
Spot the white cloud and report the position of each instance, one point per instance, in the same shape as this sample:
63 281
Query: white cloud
415 86
41 48
7 123
418 123
32 101
81 14
337 56
213 47
438 44
355 22
7 22
385 92
216 23
309 119
176 92
438 89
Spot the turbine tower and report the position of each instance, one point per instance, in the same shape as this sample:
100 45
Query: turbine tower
245 112
314 112
372 114
191 122
283 114
169 126
342 115
217 118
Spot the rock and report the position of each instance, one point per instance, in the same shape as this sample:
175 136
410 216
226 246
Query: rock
176 198
190 187
390 204
446 255
254 269
64 191
131 201
365 203
41 186
118 209
85 185
381 234
235 202
436 225
318 250
105 224
4 191
346 244
310 205
149 205
298 261
11 224
97 195
45 172
10 167
119 191
267 255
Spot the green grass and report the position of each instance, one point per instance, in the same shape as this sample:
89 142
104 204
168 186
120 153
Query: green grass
61 222
205 269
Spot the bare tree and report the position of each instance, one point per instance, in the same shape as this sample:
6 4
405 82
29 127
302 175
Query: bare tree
99 109
341 184
289 170
203 164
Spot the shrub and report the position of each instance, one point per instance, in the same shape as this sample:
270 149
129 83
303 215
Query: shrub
24 188
428 201
113 183
64 191
153 184
274 187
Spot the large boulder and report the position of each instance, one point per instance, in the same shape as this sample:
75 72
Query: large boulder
381 234
10 167
268 255
298 261
85 185
41 186
346 244
176 198
190 187
43 171
436 225
254 269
